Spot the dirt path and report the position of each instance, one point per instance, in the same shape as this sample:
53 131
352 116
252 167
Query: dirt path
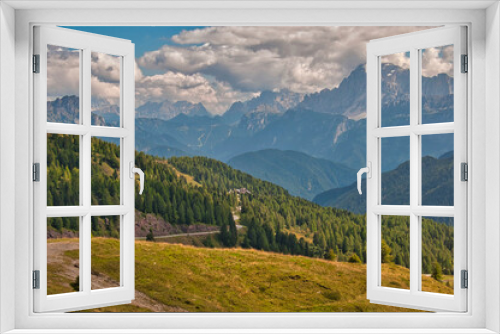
70 270
193 234
179 235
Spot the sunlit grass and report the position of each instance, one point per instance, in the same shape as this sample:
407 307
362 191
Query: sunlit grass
186 278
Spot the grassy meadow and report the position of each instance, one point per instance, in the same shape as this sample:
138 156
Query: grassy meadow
180 278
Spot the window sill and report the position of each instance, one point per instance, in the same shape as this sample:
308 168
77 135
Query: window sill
253 331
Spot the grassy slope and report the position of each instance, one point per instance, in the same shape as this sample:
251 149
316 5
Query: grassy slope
237 280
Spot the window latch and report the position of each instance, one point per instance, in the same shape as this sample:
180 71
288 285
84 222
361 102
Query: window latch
368 171
135 170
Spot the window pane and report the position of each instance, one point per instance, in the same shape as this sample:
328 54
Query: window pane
63 170
105 171
63 85
437 254
437 169
395 171
63 255
395 89
105 262
105 86
437 84
395 252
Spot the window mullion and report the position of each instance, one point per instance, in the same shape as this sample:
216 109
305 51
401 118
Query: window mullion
86 156
414 169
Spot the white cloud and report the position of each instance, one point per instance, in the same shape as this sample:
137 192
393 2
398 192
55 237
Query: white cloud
400 59
437 60
63 79
195 88
303 59
220 65
63 72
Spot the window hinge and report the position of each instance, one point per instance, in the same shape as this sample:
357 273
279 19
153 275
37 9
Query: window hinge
464 167
36 63
36 172
465 64
465 279
36 279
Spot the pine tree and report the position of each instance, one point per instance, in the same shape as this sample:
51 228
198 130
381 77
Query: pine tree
437 272
150 236
233 231
386 253
354 258
330 255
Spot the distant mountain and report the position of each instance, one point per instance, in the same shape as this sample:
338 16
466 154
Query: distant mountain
191 135
298 130
66 110
267 102
437 187
328 124
167 110
331 124
299 173
256 121
149 140
349 98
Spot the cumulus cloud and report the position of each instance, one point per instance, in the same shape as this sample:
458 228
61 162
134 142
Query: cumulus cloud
63 72
63 79
249 59
221 65
195 88
105 80
401 59
437 60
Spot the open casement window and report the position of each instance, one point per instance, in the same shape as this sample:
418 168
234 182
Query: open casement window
82 71
425 131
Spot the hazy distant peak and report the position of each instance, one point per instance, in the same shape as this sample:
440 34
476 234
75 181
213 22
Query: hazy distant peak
273 102
167 109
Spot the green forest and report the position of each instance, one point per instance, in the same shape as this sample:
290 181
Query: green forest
273 220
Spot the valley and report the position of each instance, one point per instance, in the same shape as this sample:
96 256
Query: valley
254 210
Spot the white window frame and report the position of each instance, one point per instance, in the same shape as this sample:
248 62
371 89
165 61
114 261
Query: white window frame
86 43
484 49
414 43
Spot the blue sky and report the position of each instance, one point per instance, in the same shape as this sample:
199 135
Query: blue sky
144 38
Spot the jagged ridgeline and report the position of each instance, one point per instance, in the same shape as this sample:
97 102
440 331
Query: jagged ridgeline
199 190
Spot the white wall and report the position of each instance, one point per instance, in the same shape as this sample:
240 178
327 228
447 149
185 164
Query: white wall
7 159
492 166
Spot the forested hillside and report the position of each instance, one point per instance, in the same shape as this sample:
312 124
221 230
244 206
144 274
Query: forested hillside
334 232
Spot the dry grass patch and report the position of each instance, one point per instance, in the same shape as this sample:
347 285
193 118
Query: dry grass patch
185 278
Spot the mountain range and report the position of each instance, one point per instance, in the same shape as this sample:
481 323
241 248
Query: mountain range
66 109
329 124
268 102
166 110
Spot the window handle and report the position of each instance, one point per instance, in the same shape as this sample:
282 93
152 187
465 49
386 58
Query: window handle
135 170
368 171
